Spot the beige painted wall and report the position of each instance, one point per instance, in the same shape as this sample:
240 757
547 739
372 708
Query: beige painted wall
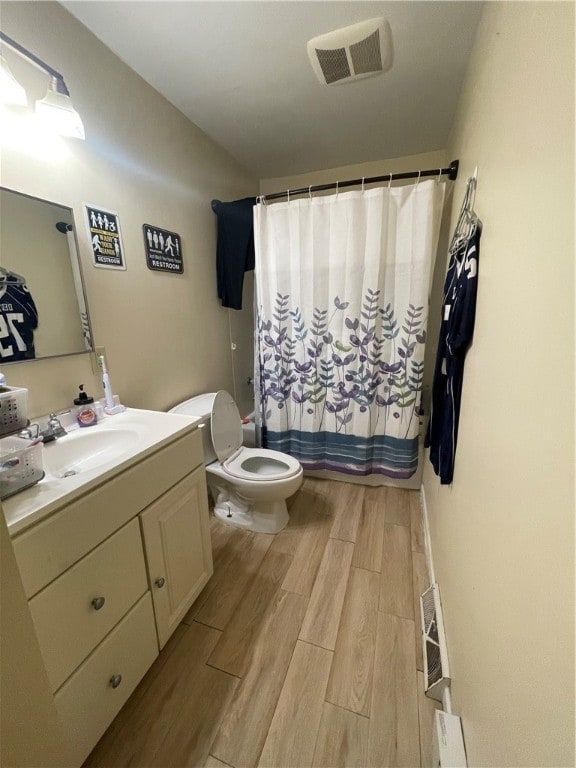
426 160
166 336
503 534
242 338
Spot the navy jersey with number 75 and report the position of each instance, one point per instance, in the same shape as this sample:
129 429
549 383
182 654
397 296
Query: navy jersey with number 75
18 319
458 314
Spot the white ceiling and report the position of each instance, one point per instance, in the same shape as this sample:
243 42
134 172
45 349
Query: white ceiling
240 71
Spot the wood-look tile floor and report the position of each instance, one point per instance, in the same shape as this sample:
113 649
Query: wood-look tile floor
303 650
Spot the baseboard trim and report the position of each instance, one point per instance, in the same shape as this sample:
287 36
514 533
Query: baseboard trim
427 540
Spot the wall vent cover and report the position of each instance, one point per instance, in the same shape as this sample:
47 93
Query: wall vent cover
436 670
352 53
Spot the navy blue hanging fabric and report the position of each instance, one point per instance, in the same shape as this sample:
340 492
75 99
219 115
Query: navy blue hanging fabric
235 248
18 321
458 313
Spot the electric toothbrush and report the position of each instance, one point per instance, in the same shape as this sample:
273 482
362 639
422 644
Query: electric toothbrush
110 408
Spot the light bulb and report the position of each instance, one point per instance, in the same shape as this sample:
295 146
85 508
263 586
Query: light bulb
57 113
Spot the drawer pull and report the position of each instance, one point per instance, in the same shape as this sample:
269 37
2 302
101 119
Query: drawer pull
160 582
115 680
98 602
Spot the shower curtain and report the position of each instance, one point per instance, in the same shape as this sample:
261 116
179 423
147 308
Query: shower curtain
342 290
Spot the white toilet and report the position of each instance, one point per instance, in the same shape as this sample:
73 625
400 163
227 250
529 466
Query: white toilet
249 485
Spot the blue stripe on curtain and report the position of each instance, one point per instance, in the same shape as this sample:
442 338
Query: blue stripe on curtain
380 454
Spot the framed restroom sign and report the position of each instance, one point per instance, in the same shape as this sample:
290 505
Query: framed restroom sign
105 237
163 249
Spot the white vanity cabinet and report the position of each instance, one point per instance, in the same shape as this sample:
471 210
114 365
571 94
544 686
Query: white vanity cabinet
109 576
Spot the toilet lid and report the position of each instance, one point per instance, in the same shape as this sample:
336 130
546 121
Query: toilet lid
226 425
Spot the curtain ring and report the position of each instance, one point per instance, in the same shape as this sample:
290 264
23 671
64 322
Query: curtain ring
288 193
310 191
439 176
390 182
418 180
336 189
362 184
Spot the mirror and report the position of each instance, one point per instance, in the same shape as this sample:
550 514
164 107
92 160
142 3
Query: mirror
43 310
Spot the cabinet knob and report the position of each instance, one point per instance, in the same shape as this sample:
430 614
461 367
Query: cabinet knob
98 602
115 680
160 582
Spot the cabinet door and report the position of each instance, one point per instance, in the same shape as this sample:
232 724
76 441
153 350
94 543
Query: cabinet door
178 550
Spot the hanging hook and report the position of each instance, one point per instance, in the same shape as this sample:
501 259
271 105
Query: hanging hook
310 191
362 184
418 179
390 182
288 193
472 183
336 189
439 176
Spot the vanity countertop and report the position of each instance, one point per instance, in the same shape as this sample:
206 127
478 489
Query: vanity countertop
153 430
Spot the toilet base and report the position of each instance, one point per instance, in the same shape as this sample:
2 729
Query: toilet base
261 517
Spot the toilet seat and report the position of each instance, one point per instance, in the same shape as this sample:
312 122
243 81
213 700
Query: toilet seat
261 464
254 464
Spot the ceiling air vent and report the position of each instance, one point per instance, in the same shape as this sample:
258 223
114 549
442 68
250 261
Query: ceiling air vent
361 50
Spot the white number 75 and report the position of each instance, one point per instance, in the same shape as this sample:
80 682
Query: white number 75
7 328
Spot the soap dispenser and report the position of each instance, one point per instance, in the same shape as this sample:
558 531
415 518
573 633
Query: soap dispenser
86 412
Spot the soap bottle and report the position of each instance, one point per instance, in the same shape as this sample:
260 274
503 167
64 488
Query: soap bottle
86 412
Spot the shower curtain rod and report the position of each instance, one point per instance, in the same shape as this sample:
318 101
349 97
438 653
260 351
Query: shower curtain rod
451 172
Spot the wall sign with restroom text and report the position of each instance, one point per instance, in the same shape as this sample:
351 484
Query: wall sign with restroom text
105 237
163 249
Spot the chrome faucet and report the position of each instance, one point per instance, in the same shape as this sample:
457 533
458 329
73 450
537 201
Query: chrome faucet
26 433
54 428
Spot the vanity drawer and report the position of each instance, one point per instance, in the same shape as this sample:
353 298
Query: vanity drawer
88 702
76 611
47 549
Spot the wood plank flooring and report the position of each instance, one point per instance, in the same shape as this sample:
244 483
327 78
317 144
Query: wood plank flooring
303 650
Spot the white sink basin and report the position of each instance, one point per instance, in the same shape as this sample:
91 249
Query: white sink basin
82 450
87 457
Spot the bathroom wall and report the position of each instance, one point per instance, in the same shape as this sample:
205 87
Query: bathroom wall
166 336
503 533
425 160
242 339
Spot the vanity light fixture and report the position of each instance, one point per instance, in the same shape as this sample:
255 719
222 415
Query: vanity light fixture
11 91
55 109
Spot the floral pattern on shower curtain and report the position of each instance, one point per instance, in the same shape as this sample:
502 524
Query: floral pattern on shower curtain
342 294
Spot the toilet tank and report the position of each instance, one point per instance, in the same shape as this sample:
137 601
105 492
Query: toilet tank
200 407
